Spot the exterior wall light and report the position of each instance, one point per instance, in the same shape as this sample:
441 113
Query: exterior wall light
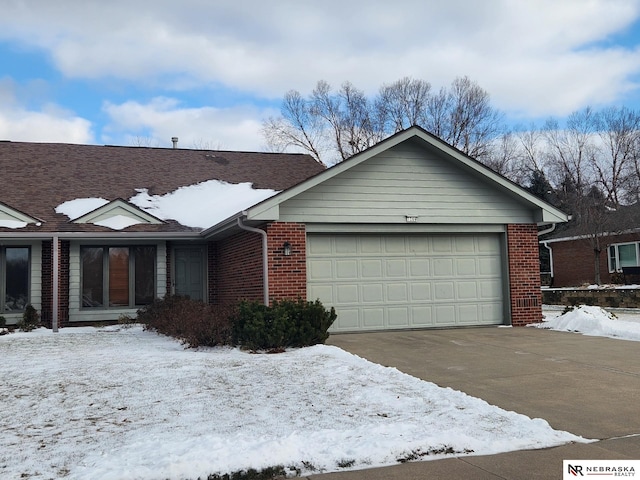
286 249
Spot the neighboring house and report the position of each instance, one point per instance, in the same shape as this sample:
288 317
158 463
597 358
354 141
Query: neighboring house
572 256
411 233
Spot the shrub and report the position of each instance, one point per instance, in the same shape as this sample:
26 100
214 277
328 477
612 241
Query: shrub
192 321
286 323
30 319
3 321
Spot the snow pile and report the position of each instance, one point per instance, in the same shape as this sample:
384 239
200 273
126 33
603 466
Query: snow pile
116 403
594 321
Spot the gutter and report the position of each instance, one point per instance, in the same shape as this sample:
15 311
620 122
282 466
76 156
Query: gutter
265 257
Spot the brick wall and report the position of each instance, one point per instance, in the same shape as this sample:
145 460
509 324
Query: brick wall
574 262
238 268
212 285
63 282
47 282
287 274
46 314
524 274
169 281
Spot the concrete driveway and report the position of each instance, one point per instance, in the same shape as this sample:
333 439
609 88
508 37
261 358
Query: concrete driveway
589 386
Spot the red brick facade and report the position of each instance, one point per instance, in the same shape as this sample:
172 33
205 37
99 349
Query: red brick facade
287 273
574 260
238 269
46 314
524 274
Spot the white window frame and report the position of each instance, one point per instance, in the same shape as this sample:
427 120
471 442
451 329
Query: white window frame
613 255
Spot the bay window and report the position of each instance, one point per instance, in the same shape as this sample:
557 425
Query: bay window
14 279
118 277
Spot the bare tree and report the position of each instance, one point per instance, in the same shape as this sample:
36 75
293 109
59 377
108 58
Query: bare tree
618 129
346 122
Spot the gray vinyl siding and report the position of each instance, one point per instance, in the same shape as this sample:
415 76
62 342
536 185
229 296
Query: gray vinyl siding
405 180
77 314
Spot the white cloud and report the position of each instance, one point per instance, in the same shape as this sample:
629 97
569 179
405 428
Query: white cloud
49 123
162 118
535 57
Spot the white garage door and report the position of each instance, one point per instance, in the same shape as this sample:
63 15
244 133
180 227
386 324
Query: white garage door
404 281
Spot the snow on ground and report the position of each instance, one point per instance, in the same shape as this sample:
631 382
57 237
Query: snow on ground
116 403
594 321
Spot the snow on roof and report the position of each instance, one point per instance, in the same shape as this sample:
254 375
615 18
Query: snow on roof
200 206
12 224
80 206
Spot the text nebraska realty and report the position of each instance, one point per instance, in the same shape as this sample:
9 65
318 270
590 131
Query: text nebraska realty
616 471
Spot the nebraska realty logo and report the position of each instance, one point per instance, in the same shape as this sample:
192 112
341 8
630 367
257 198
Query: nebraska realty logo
601 468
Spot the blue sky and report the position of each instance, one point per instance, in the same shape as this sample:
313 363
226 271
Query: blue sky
142 71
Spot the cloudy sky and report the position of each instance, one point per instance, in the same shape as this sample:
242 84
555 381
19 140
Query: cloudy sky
141 71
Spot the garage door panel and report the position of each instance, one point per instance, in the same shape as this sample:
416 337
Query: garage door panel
421 316
443 267
320 270
373 293
347 294
346 269
444 291
407 281
398 317
396 267
397 292
420 291
373 318
467 291
467 267
371 268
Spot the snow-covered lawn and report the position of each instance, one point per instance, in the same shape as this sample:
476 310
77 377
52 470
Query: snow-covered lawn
594 321
115 403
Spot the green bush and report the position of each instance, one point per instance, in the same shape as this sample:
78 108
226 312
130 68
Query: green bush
192 321
286 323
30 319
3 321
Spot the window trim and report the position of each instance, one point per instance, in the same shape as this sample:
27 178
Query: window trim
613 255
105 276
3 277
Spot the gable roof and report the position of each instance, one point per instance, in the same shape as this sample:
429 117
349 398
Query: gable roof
41 176
269 209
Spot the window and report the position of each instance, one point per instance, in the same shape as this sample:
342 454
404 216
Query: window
623 255
118 276
14 279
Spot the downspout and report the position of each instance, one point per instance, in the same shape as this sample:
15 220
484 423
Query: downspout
56 280
545 245
265 257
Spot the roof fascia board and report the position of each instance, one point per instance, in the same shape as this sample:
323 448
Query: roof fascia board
17 214
105 236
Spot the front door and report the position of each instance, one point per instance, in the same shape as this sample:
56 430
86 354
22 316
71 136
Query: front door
189 272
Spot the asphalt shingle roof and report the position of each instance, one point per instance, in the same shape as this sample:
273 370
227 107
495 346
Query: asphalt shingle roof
37 177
